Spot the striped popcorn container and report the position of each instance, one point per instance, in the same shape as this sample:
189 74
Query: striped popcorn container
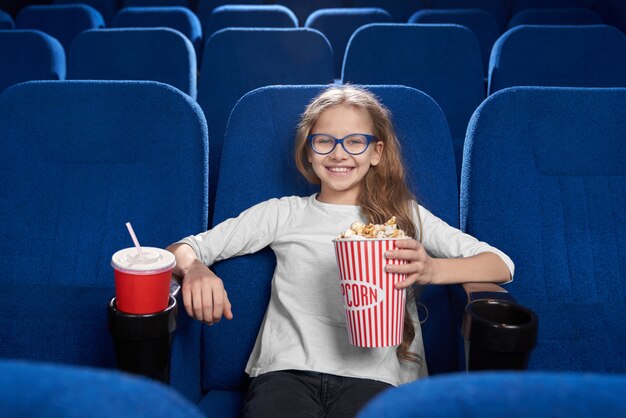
374 307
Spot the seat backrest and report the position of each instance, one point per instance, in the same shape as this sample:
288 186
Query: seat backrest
29 55
38 390
249 16
544 177
61 21
78 159
204 8
498 9
178 18
272 113
569 56
6 21
157 54
107 8
400 10
338 25
303 8
156 3
480 22
239 60
413 55
555 17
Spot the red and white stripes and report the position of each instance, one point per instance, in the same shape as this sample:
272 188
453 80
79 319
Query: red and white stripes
374 307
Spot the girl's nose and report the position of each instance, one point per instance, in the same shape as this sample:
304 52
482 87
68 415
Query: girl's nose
339 153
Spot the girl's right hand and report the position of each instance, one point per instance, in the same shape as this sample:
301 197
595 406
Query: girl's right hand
204 296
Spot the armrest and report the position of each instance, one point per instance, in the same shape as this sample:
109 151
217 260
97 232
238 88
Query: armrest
475 291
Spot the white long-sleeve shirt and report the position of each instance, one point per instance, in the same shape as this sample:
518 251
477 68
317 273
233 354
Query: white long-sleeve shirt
304 327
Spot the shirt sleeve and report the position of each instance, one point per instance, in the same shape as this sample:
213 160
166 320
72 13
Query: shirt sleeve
444 241
251 231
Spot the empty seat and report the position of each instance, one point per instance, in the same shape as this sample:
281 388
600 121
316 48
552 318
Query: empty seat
236 61
6 21
577 56
107 8
156 3
158 54
303 8
42 390
178 18
246 16
555 17
338 25
443 61
481 395
204 8
29 55
63 22
480 22
258 164
544 179
78 159
400 10
499 9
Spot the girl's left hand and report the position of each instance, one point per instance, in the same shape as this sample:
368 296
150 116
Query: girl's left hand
420 269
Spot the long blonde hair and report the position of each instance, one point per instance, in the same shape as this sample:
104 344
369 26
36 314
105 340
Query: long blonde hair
384 191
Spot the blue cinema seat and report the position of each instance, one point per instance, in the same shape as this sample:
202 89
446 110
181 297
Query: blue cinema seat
204 8
158 54
504 394
236 61
6 21
568 56
480 22
42 390
29 55
61 21
253 171
339 24
443 61
156 3
107 8
303 8
178 18
79 159
544 176
555 17
249 16
400 10
499 9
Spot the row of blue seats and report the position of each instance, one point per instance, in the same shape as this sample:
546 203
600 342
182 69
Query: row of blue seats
542 178
239 60
400 10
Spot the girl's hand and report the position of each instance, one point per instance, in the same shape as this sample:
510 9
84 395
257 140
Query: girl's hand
420 269
204 296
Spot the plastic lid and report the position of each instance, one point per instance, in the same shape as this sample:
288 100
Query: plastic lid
153 260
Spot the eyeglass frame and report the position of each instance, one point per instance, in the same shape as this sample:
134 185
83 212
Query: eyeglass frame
369 138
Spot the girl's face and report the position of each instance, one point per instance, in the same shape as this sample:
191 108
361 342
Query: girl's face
341 173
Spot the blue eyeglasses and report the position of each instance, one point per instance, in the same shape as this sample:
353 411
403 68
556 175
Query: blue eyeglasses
353 144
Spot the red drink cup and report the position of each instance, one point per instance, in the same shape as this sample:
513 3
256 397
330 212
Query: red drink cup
142 283
374 307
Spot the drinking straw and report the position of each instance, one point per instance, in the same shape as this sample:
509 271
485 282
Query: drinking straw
134 237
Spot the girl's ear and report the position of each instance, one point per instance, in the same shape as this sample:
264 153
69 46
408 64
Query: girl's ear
308 154
378 152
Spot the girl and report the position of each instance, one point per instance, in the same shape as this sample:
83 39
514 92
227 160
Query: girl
302 363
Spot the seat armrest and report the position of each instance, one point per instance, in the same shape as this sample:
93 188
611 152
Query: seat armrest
475 291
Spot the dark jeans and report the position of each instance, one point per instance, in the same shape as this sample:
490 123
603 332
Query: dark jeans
294 394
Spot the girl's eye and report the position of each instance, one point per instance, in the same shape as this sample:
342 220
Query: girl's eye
324 141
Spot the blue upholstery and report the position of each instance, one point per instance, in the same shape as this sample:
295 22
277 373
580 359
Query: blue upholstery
156 3
555 17
338 25
612 12
178 18
40 390
480 22
6 21
61 21
242 16
498 9
574 56
400 10
544 177
157 54
239 60
107 8
510 394
303 8
272 113
519 5
29 55
78 159
443 61
205 8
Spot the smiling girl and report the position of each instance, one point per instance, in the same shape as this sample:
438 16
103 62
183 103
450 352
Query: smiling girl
302 363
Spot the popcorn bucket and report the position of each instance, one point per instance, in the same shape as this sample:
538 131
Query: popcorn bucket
374 307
